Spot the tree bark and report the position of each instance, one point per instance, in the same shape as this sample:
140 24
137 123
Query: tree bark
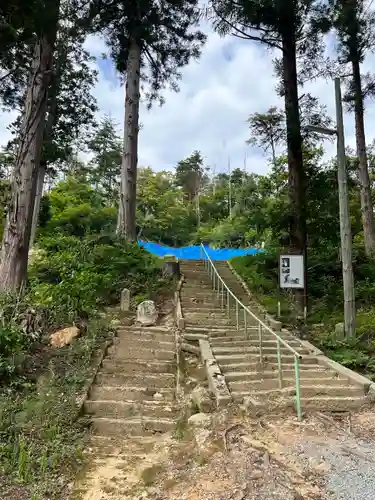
363 174
126 223
38 199
16 238
296 177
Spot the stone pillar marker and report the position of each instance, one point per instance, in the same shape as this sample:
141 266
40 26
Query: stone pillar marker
125 300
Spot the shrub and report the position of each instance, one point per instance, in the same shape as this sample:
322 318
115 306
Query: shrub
77 276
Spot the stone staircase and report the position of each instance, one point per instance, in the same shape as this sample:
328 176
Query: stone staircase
236 350
133 395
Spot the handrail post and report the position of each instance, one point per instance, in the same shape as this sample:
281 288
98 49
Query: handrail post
245 322
222 298
260 344
298 388
228 303
279 367
218 288
237 318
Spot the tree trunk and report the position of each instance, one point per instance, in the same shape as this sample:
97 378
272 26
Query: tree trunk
296 178
15 245
364 178
127 206
38 199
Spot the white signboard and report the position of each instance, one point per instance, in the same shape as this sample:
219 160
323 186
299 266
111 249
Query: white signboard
291 271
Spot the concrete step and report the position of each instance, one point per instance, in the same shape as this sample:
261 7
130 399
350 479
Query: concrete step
113 364
246 348
268 366
204 310
107 446
142 343
204 302
131 426
194 321
117 393
227 359
307 391
158 381
332 404
273 383
250 340
131 353
145 334
127 409
316 403
306 374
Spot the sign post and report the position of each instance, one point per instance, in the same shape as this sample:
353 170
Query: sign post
292 271
291 274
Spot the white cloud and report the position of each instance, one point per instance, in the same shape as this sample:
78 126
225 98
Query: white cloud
232 79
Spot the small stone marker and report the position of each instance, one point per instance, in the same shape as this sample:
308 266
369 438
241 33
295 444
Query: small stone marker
125 300
171 266
147 314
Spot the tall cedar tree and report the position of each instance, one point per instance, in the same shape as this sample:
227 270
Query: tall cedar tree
17 39
15 244
149 42
282 25
70 108
355 24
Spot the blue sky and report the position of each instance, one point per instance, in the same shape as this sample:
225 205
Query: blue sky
232 79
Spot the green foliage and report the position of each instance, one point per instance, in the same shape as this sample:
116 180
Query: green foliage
74 277
166 33
76 209
41 439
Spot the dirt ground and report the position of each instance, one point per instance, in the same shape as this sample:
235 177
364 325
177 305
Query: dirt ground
244 459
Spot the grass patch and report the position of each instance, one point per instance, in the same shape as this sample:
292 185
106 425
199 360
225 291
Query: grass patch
41 438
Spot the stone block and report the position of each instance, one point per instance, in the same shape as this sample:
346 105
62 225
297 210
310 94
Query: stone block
125 300
147 314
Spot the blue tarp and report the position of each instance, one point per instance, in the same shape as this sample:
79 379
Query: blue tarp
196 253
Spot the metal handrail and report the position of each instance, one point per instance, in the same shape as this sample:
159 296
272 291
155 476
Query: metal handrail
215 276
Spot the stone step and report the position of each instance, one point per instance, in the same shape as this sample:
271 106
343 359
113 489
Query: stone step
131 426
246 348
251 340
195 336
107 446
158 381
125 352
199 299
309 373
117 393
253 336
142 343
113 364
204 310
227 359
307 391
332 404
273 383
127 409
253 366
193 321
145 334
251 333
316 403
